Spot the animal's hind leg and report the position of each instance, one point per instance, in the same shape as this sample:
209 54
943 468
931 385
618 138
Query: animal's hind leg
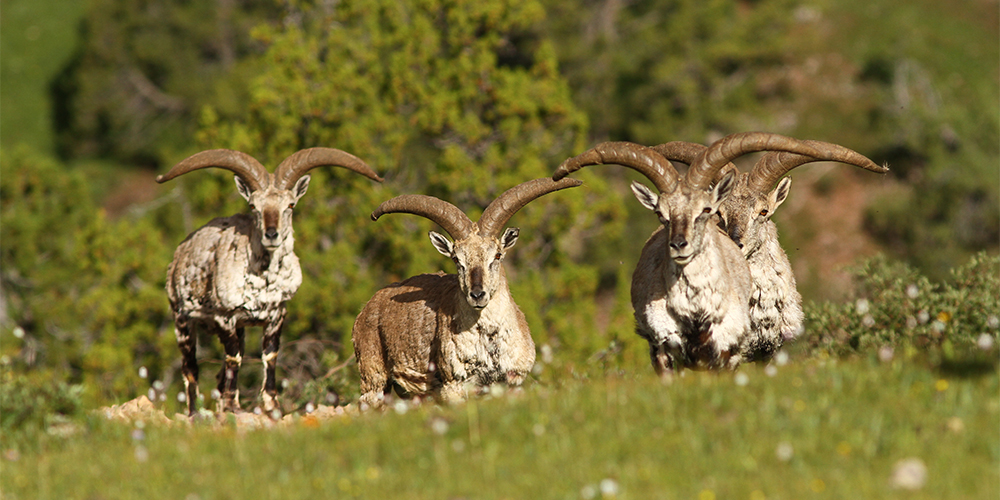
272 341
188 342
234 343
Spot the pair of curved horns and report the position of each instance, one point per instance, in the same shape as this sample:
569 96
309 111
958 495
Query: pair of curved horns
457 224
706 162
257 177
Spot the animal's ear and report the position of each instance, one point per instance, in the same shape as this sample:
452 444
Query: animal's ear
646 196
442 244
300 187
780 193
509 237
243 188
724 187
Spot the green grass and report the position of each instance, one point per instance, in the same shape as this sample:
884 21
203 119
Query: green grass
847 423
38 37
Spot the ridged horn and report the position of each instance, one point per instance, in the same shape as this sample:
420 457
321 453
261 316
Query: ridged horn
297 164
706 167
774 165
242 164
644 160
687 152
442 213
504 207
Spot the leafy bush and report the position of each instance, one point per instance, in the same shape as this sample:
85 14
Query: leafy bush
29 410
897 307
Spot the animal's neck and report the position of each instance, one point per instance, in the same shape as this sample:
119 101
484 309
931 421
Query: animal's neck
263 260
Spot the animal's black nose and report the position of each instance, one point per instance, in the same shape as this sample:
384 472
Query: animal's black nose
477 294
678 244
271 233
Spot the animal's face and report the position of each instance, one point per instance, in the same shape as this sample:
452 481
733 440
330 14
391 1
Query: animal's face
479 262
745 213
271 210
685 213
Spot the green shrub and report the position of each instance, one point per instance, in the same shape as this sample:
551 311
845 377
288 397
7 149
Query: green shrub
897 307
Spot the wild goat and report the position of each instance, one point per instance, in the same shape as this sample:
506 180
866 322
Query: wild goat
775 303
239 271
433 333
691 287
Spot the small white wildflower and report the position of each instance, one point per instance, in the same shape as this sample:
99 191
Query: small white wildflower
257 410
609 487
141 453
985 341
546 354
861 306
909 474
140 424
537 369
742 379
182 397
401 407
285 383
158 385
770 370
310 407
911 322
885 354
439 426
163 396
275 414
538 429
496 390
143 372
923 316
588 492
868 321
151 394
993 321
18 332
912 291
784 451
937 326
216 394
332 398
138 435
781 358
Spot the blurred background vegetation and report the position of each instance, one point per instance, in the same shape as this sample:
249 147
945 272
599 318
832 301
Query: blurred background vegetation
463 100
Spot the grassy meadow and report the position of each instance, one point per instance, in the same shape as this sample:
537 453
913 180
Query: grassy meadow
814 427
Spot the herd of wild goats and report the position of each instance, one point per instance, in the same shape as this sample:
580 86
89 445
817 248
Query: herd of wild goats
712 287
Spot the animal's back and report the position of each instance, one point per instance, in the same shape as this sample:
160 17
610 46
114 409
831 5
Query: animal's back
394 333
198 271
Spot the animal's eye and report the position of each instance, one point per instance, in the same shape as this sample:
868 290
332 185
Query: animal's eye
291 205
253 207
707 210
763 213
498 256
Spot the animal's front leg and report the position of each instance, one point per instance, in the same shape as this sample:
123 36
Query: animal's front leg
272 341
234 343
188 344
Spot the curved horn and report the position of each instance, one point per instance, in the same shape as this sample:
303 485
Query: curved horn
295 166
704 169
687 152
682 151
773 166
442 213
500 210
627 154
242 164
